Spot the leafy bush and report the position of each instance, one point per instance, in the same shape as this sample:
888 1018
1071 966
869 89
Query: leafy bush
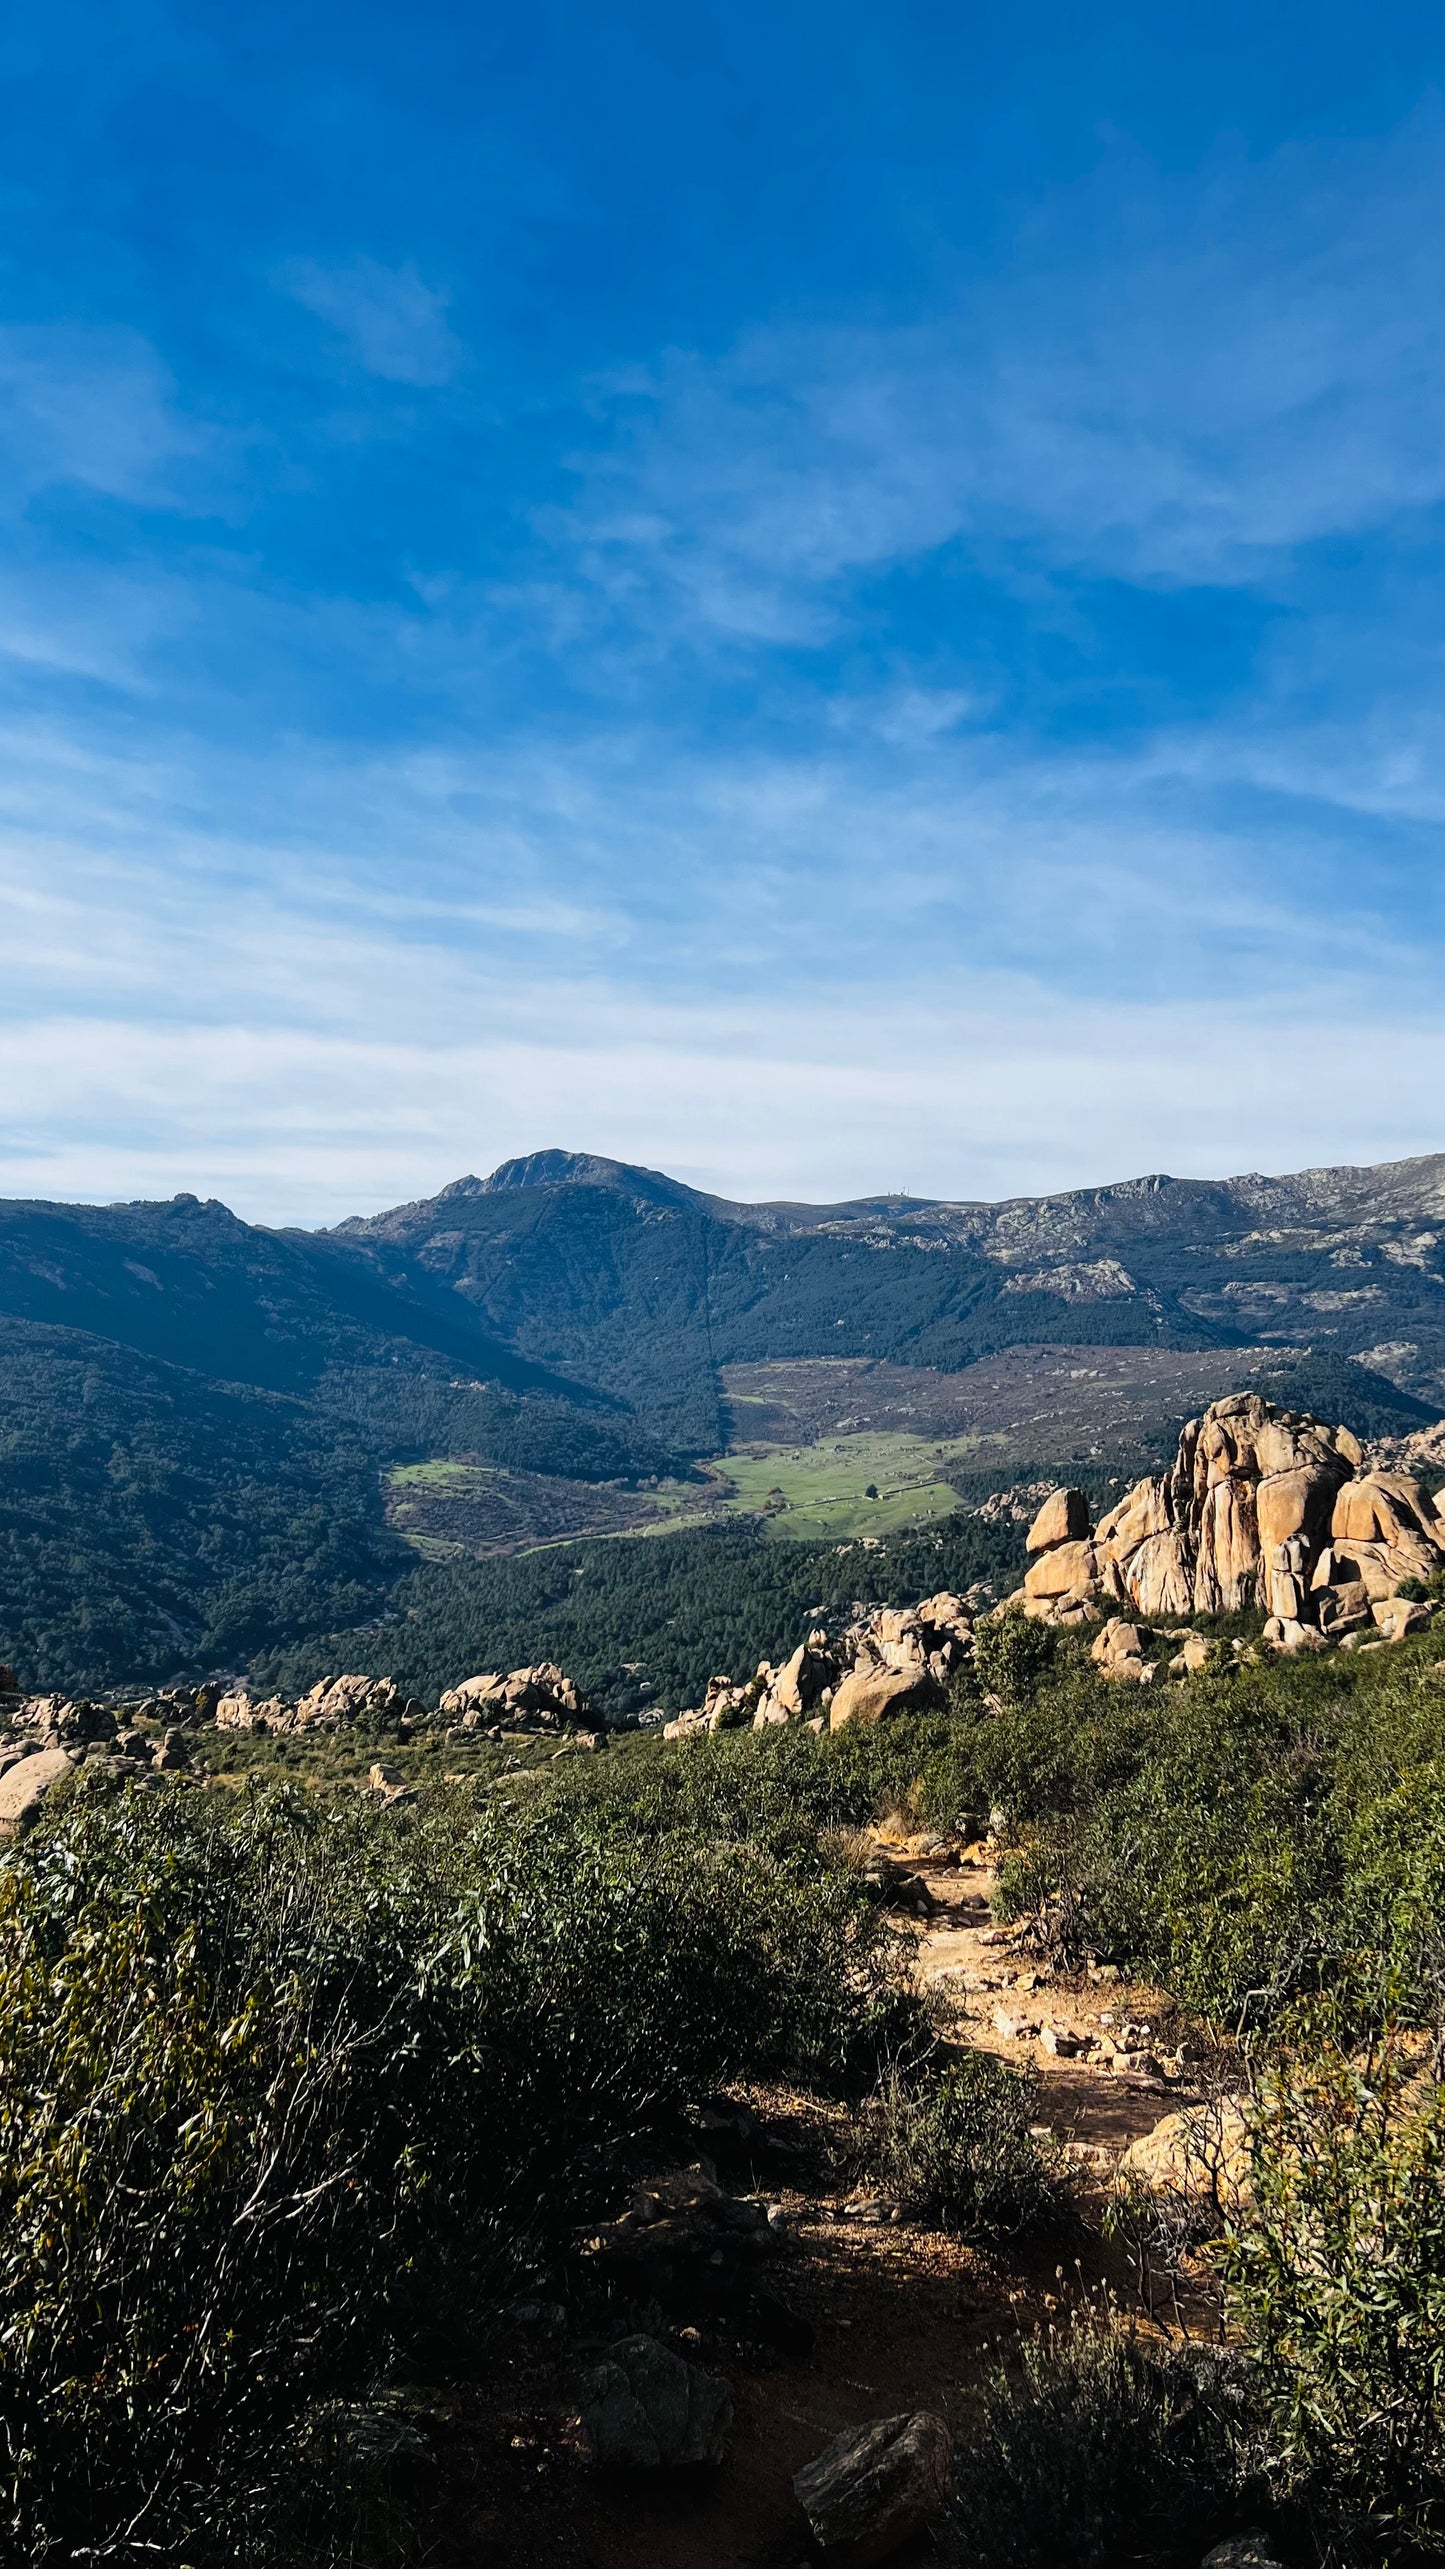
286 2092
1099 2450
1251 1839
958 2150
1012 1652
1337 2285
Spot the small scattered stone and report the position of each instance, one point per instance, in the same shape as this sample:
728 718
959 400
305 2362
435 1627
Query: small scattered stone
1241 2551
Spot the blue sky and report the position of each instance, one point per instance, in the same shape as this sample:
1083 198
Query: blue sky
825 598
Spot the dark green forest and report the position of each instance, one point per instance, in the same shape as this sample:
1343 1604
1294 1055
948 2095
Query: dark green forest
644 1622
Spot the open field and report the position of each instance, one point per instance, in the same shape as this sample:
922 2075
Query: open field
445 1509
809 1437
1107 1406
823 1489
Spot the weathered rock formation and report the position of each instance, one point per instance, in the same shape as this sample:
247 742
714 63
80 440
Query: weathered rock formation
333 1704
893 1659
540 1698
1262 1507
25 1784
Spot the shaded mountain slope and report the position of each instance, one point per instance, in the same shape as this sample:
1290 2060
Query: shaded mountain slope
644 1288
197 1414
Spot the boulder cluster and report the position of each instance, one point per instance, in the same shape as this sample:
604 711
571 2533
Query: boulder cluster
889 1659
530 1699
44 1738
1261 1508
333 1704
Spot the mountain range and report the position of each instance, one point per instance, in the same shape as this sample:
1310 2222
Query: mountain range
217 1438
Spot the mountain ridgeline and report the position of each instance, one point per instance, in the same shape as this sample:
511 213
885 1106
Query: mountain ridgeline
198 1415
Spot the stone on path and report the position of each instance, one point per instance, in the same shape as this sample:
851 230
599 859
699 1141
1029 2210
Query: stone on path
875 2486
644 2409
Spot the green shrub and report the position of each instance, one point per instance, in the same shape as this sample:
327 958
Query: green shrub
957 2150
1011 1653
1099 2450
1336 2281
287 2091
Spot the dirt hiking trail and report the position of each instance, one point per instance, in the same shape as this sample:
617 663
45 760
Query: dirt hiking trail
901 2317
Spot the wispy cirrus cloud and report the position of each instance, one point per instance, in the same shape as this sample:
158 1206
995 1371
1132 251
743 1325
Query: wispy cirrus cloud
817 799
1139 394
394 323
91 406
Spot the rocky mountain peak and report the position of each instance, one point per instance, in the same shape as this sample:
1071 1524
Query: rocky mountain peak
581 1168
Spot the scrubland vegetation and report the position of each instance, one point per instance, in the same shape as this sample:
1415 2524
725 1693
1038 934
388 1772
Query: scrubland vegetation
298 2094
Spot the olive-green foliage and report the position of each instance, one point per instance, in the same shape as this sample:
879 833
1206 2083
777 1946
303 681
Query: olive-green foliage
1337 2285
1012 1654
286 2090
957 2149
1100 2450
1251 1838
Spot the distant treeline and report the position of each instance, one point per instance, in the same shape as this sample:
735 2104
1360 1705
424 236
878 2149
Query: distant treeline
647 1620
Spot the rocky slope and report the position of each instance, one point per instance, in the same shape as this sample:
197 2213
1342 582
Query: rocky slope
645 1286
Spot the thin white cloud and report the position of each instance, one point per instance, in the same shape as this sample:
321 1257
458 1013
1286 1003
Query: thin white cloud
1172 406
995 1094
91 406
395 324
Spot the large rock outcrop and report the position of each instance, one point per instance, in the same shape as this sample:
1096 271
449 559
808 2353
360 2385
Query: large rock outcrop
539 1698
542 1698
890 1659
1262 1507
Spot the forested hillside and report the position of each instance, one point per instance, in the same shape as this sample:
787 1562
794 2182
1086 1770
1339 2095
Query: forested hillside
198 1416
645 1623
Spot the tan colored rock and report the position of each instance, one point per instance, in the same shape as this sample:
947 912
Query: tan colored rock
1063 1518
945 1613
794 1691
1397 1616
1343 1607
472 1695
1202 2153
1384 1567
1068 1570
1226 1575
1297 1502
23 1788
1144 1511
1286 1595
870 1695
1158 1577
335 1702
1385 1507
1118 1640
